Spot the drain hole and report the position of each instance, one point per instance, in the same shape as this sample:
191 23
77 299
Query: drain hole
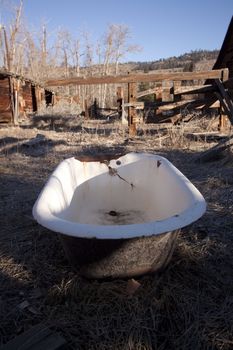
118 162
113 213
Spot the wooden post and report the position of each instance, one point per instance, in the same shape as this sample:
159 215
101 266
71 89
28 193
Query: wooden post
86 109
225 100
225 75
119 100
16 88
168 91
120 105
95 108
132 90
222 119
11 91
155 110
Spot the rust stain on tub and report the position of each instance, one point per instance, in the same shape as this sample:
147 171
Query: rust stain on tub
102 158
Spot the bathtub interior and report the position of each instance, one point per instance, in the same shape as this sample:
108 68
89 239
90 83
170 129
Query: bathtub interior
134 189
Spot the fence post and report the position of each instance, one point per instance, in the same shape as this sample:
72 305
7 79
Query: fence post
132 90
86 110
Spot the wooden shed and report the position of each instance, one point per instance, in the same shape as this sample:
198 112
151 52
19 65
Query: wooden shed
20 97
225 57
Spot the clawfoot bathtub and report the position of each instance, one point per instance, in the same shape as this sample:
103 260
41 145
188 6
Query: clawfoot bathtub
118 217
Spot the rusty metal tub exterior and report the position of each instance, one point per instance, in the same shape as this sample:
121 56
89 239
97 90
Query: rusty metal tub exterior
118 217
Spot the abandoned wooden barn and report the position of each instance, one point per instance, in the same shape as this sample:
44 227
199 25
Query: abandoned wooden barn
20 97
225 57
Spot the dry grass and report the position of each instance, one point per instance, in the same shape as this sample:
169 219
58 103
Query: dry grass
188 306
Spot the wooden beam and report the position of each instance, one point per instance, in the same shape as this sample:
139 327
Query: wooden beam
135 78
135 104
224 94
194 89
225 75
224 106
149 92
222 120
212 103
180 90
176 107
170 106
201 89
225 99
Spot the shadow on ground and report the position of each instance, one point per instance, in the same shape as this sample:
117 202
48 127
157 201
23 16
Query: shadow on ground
35 147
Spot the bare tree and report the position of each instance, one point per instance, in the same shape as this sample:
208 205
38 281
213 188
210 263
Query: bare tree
2 50
12 44
115 48
44 46
88 57
5 47
121 45
64 41
77 54
27 52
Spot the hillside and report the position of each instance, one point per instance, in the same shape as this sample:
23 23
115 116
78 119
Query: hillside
192 61
186 62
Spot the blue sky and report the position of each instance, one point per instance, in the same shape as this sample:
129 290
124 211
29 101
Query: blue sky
162 28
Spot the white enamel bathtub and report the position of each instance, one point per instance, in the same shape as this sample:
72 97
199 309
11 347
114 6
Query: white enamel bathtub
134 196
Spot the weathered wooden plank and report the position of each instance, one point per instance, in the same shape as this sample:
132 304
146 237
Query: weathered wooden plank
175 108
168 106
135 104
224 106
225 96
186 90
5 104
149 92
5 101
193 89
134 78
38 337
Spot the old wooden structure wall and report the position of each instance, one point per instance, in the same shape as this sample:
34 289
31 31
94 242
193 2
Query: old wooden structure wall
20 97
6 114
225 57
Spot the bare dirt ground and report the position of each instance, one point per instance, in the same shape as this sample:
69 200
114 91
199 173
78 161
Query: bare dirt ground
187 306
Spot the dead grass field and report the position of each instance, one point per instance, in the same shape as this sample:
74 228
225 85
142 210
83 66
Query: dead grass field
188 306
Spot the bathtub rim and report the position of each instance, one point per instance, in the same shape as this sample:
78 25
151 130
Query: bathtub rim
54 223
